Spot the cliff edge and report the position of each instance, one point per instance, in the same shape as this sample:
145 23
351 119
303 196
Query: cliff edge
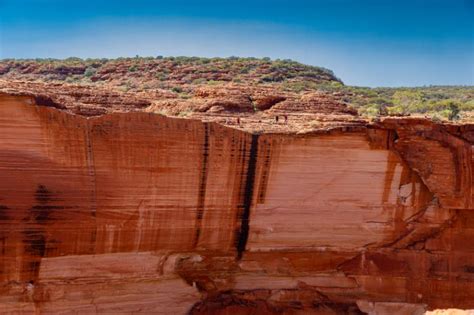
107 206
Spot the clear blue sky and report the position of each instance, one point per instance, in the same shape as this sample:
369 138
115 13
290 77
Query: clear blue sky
365 42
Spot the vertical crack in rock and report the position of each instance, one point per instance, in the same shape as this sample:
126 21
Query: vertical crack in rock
392 137
243 233
202 185
389 175
266 155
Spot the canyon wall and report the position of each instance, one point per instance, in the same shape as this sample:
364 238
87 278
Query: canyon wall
136 212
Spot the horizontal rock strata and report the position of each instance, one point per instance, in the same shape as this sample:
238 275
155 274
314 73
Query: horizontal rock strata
137 212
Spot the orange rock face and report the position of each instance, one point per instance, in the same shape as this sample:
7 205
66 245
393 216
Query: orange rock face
136 212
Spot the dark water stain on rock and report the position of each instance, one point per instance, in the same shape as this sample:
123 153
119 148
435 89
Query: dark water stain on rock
41 212
202 186
35 247
3 213
34 237
243 233
35 242
266 155
469 269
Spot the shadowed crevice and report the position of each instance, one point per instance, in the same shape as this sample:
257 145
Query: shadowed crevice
47 101
266 155
243 233
202 186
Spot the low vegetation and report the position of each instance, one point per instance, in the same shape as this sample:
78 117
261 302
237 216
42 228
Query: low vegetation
438 102
181 74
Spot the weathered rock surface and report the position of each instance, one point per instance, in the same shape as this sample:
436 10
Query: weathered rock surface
136 212
232 106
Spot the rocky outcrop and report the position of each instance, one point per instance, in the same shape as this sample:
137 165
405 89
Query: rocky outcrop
318 103
441 156
76 99
254 109
137 212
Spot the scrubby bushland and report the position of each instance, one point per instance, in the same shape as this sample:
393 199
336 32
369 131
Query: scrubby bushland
182 74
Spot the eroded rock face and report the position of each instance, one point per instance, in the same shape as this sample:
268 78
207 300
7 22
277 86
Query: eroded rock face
255 109
136 212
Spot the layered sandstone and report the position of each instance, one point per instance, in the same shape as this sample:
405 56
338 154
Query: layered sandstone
125 210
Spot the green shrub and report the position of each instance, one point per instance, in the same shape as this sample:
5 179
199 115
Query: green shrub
177 89
454 112
161 76
436 118
90 71
372 110
199 81
214 82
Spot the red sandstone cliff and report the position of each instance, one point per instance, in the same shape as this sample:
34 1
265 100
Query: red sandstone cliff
136 212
